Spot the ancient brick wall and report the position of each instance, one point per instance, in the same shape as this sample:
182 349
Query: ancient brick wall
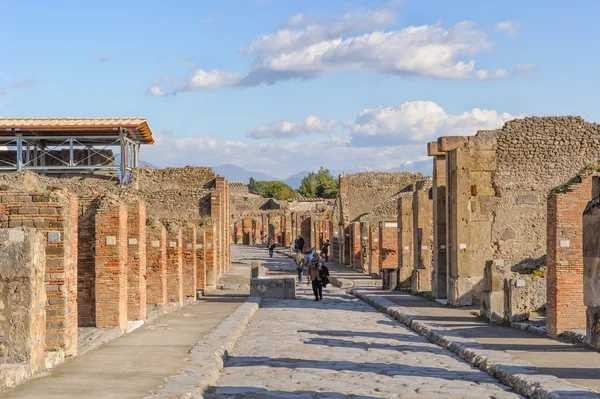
211 277
189 266
111 264
365 248
86 274
361 192
388 245
156 265
56 217
22 298
174 265
201 259
136 261
405 243
565 309
374 250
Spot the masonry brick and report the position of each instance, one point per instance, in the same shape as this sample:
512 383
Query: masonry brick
405 240
201 259
422 238
111 264
388 245
61 258
565 309
175 265
210 244
136 261
189 267
86 273
156 265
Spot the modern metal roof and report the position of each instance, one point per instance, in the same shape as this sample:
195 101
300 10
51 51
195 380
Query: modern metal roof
137 128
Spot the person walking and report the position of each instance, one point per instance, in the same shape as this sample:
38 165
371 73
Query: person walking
314 277
254 238
325 250
271 245
300 244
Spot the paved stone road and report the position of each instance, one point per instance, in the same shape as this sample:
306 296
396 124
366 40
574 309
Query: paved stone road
343 348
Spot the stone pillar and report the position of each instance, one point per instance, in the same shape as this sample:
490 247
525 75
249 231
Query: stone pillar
209 244
439 280
111 265
493 303
156 266
174 265
216 216
189 266
422 239
405 240
136 261
374 257
201 259
565 309
22 315
346 246
591 266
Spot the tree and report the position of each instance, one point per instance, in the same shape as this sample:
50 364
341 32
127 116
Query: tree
252 185
320 184
308 186
272 189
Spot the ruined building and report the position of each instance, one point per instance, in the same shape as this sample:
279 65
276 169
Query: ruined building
99 243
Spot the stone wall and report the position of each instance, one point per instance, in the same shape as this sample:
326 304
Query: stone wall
22 298
136 261
497 185
423 274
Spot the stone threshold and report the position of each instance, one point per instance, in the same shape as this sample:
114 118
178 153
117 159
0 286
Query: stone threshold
500 365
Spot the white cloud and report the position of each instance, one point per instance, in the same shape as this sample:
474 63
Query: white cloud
102 58
524 68
511 28
419 121
20 84
307 47
208 20
284 129
156 91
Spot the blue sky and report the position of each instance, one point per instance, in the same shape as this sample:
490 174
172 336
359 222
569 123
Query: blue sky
281 86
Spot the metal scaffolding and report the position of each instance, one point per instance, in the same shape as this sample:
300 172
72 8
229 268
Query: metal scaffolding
71 150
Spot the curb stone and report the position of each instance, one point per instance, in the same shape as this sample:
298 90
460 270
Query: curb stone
207 357
500 365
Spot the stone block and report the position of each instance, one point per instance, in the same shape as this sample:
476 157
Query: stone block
494 274
257 270
493 305
593 326
273 288
517 299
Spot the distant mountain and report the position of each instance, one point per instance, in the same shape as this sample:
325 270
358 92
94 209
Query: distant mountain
148 164
425 167
235 173
294 181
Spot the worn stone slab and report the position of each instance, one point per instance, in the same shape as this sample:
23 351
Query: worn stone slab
273 288
207 357
512 372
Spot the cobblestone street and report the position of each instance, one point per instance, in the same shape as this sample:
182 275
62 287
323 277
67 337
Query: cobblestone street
342 347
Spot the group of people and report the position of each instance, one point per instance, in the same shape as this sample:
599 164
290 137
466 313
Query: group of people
317 273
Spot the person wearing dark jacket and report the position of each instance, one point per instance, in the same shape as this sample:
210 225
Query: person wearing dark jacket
325 250
300 244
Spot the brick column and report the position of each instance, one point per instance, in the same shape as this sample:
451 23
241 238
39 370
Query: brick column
156 265
247 231
565 309
190 276
211 273
216 216
374 260
388 245
365 248
201 259
239 233
174 265
422 239
405 240
136 261
111 265
439 280
86 273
